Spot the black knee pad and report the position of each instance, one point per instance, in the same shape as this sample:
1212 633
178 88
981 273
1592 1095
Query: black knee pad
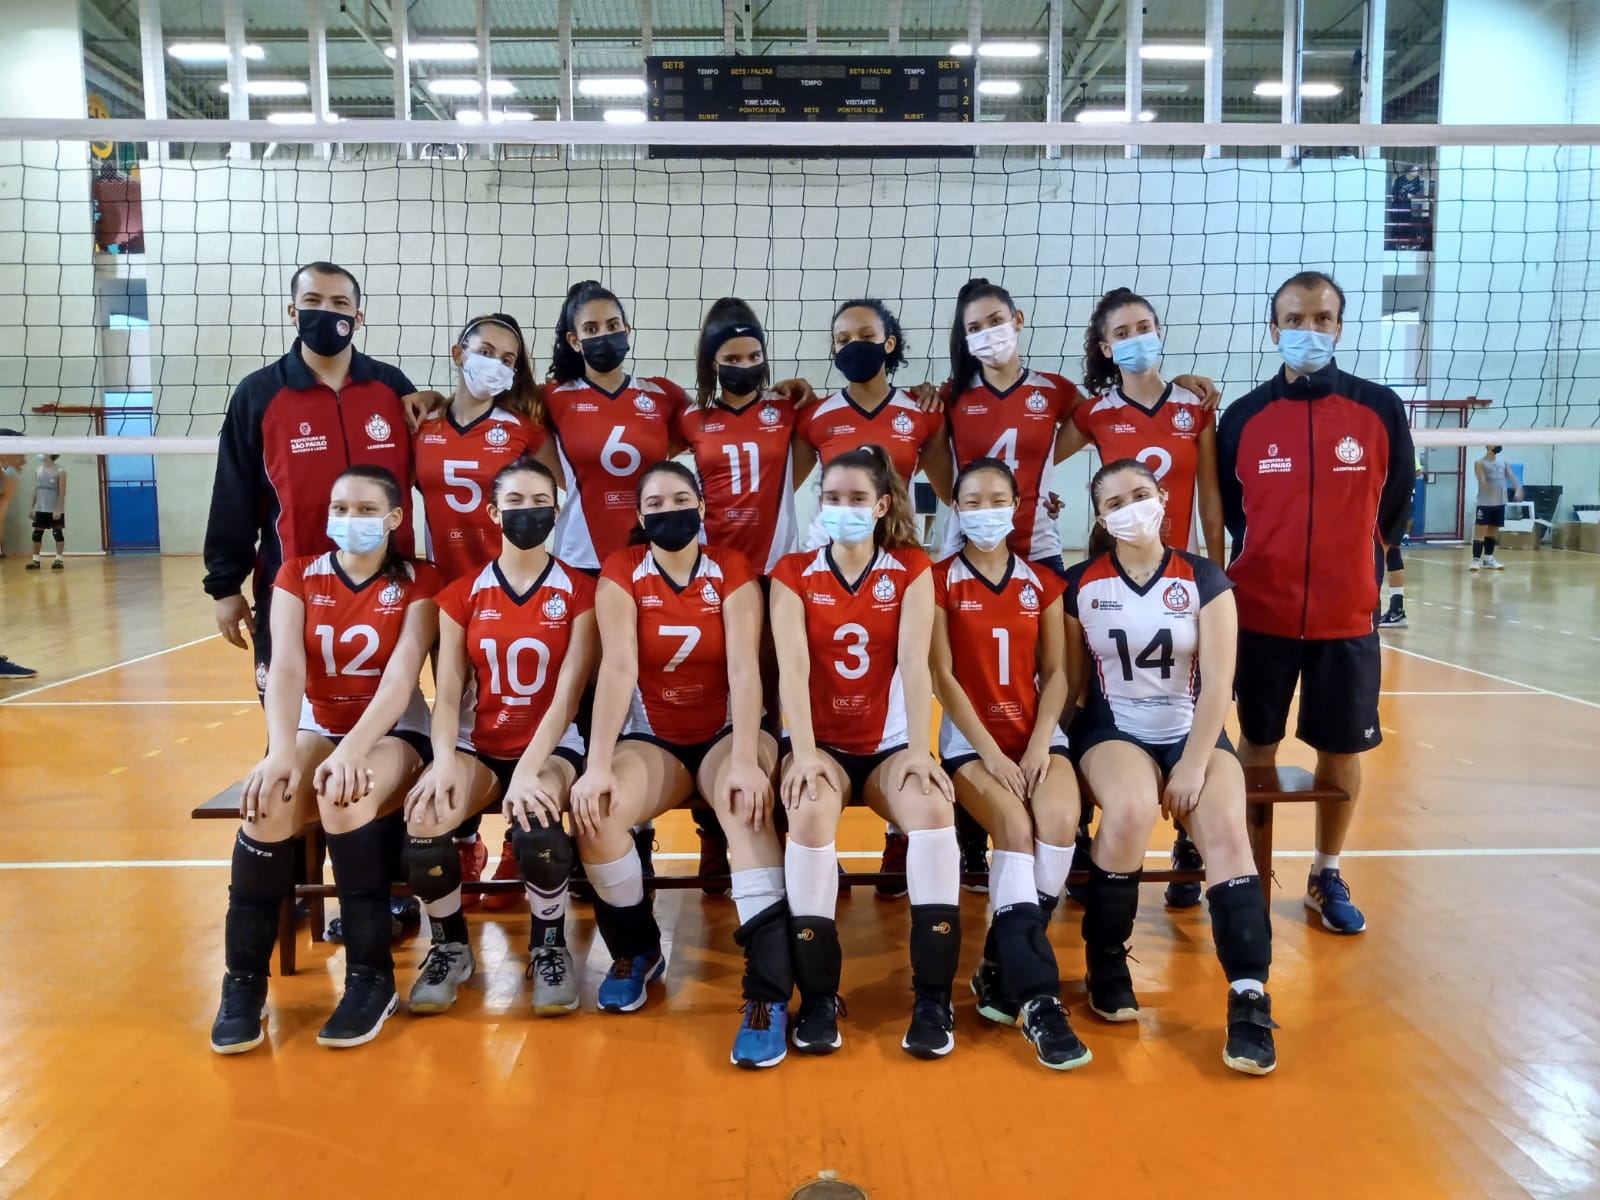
815 955
1393 560
433 868
1027 960
544 856
1241 927
359 866
1110 904
768 967
935 946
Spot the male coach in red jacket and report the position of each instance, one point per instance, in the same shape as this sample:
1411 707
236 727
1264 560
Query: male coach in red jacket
1316 470
291 428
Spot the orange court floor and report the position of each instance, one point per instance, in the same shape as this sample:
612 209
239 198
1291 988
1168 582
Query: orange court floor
1450 1051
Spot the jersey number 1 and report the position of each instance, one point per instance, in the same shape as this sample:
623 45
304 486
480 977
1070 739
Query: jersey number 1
1157 656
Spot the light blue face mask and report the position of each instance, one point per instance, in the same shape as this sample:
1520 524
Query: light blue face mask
357 535
986 528
845 525
1305 350
1138 354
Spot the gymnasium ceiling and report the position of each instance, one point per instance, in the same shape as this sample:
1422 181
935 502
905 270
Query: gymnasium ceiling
606 41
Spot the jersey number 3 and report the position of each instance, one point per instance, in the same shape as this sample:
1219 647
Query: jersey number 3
1157 656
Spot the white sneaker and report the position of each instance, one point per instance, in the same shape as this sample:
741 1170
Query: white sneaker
1477 564
1494 564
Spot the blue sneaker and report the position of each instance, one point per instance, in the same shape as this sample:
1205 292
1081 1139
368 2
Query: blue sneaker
623 988
11 670
1329 895
763 1037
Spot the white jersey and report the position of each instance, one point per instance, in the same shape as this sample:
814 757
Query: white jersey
1144 641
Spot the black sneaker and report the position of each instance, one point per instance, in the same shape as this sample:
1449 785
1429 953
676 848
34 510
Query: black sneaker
975 861
405 913
244 1007
993 1003
932 1030
11 670
714 862
1250 1027
1080 862
1044 1023
816 1026
369 1000
895 846
644 841
1111 995
1185 857
1395 618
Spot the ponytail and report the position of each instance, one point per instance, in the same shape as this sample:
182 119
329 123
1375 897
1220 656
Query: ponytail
963 365
394 565
898 528
1100 372
566 363
727 319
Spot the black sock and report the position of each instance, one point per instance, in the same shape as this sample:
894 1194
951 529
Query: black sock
1488 547
1241 927
263 876
468 829
768 969
1477 549
627 932
362 879
1109 907
815 956
935 947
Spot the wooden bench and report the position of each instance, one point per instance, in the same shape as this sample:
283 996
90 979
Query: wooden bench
1265 789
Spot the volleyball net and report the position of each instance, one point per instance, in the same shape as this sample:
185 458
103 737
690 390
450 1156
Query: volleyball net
132 300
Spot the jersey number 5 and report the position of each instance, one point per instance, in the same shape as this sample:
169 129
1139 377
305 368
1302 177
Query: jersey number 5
1157 656
454 479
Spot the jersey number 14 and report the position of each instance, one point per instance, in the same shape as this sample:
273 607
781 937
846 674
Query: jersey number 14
1157 656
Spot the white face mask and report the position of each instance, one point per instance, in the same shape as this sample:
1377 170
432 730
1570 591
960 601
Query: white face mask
986 528
1137 522
994 346
485 377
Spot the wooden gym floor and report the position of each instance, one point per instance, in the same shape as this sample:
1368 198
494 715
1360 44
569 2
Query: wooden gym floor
1443 1053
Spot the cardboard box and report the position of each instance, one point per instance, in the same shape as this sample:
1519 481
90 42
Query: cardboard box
1565 535
1518 539
1578 535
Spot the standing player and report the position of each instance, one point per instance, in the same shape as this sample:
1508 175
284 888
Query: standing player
999 670
853 623
1317 469
1158 627
10 475
347 733
291 428
516 646
679 684
50 506
1495 481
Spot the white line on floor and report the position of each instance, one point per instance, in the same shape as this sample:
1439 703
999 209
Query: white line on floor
1525 692
113 667
249 700
1487 675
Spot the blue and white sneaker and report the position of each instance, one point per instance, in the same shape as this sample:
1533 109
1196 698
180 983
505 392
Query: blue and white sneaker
11 670
1328 894
763 1037
623 988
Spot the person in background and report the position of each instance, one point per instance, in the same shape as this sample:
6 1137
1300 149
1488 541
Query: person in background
1495 482
1317 469
10 480
1394 565
49 509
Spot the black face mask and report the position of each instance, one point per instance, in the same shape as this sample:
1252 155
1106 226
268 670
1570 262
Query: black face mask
860 361
526 528
606 352
1497 449
740 381
325 332
673 529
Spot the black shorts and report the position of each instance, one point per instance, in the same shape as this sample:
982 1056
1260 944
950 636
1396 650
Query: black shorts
1092 727
857 767
43 521
691 756
503 768
419 742
952 765
1491 514
1339 682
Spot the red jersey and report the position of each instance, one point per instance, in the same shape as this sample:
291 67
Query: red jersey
994 642
606 442
742 457
857 700
1017 426
1164 438
350 633
456 466
682 693
516 645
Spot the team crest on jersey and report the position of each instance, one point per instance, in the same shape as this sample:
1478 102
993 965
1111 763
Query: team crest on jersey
883 590
1176 598
305 428
1036 403
378 429
391 594
1272 450
645 404
903 424
1182 420
497 436
1029 597
769 415
1349 451
556 607
710 595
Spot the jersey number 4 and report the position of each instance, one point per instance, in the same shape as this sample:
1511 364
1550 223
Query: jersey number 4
1157 656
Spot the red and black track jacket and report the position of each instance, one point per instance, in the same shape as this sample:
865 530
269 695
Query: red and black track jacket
285 439
1315 476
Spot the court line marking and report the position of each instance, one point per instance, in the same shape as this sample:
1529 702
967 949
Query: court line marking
113 667
1439 662
251 701
1444 852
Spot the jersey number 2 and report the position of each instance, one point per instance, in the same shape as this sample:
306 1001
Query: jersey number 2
1157 656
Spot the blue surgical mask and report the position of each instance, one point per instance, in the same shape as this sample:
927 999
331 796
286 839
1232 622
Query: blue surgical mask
1305 350
847 526
986 528
357 535
1138 353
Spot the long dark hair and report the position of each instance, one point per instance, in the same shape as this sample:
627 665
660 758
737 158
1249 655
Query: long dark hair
728 318
566 364
394 565
1100 373
898 529
524 395
1101 540
891 329
963 365
637 536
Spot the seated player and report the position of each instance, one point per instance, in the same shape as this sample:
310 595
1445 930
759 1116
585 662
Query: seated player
1158 627
678 709
853 621
347 733
516 646
1000 673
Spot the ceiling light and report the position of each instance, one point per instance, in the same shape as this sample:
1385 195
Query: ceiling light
469 87
625 116
611 86
270 87
297 118
1000 87
1009 50
1108 116
961 50
1174 52
210 51
437 51
471 116
1272 88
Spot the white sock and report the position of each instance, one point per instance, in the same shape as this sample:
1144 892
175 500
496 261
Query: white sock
1051 866
1248 985
811 878
1011 879
756 890
933 866
620 883
466 841
446 907
1397 591
1321 862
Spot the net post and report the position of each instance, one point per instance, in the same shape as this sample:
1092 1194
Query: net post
402 66
153 61
974 37
1133 91
1215 40
1374 32
1293 44
1052 95
238 72
317 44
